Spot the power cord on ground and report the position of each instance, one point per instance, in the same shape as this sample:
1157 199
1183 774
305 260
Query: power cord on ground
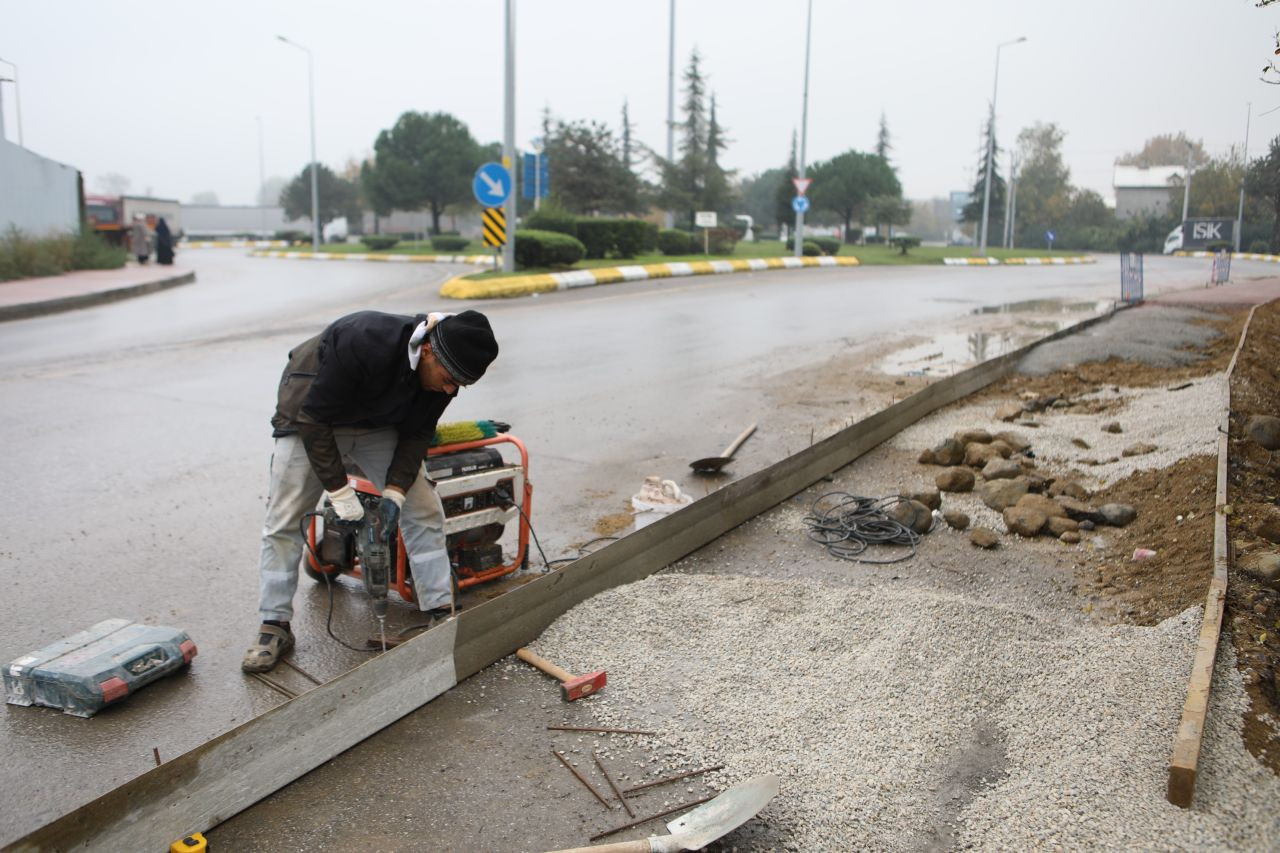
848 524
328 582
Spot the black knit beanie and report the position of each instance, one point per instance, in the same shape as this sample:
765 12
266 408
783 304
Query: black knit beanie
465 345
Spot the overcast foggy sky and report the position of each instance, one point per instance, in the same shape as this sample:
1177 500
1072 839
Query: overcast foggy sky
167 93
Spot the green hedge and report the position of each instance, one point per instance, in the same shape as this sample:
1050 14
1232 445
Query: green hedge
551 218
719 241
904 244
449 243
379 242
810 249
292 236
826 245
672 241
616 238
547 249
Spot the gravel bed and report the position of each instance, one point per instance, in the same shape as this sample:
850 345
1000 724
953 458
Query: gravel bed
1157 335
900 717
1179 423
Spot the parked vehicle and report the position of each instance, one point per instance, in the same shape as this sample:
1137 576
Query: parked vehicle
1199 234
111 216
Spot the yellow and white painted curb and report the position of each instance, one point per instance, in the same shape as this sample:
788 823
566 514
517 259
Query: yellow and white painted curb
478 260
524 285
1235 256
1030 262
234 244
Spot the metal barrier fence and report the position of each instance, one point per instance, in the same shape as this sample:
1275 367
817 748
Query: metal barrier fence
1221 271
1131 277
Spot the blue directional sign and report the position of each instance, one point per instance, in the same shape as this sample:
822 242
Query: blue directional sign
491 184
800 204
535 177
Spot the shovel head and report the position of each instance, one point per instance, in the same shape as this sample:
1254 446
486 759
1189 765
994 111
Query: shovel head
728 811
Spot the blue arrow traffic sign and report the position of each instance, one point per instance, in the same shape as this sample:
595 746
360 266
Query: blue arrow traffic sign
800 204
491 184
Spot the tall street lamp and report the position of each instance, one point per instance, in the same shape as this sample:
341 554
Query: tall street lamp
991 144
17 97
1244 173
668 217
315 191
798 240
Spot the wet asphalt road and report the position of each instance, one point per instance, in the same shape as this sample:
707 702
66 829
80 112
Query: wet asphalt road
136 448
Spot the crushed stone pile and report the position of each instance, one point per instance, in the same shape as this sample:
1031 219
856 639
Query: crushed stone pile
904 716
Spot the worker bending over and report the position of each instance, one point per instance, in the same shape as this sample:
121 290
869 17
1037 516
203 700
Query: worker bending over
368 390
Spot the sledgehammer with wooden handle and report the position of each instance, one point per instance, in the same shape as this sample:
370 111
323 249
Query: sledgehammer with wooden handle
573 687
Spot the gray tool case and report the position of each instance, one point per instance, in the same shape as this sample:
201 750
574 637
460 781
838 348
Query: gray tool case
89 670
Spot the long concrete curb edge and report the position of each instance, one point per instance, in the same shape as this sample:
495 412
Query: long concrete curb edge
85 300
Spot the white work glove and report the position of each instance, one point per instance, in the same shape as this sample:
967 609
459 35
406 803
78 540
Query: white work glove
346 504
395 496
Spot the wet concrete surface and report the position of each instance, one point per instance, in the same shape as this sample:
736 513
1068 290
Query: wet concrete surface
138 444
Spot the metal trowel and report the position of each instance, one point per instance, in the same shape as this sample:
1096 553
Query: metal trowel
705 824
712 464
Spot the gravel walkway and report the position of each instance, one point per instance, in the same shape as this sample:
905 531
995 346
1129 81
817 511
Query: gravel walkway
903 718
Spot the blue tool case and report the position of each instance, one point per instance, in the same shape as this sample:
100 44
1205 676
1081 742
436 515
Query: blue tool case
89 670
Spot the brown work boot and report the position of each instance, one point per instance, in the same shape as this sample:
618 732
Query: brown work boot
273 641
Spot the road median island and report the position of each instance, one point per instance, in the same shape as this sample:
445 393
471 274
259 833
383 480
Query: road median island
234 244
25 298
477 260
464 287
1027 261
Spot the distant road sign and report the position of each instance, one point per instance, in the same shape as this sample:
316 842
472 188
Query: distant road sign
802 184
491 184
800 204
705 219
536 177
493 221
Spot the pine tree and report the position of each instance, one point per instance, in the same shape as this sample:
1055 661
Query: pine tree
995 209
882 139
626 138
717 193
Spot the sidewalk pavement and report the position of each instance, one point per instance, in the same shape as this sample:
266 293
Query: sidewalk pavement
1254 291
32 297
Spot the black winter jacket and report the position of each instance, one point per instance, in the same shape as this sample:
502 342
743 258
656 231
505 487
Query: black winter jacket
356 373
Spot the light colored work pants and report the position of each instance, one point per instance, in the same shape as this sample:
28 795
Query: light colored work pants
295 490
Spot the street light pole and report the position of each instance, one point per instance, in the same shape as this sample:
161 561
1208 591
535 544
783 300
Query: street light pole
668 218
262 176
1244 172
798 239
17 97
315 191
509 138
991 144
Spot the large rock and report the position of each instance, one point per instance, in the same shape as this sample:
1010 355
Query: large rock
1264 566
1070 537
1265 430
1117 515
984 537
1142 448
1001 469
969 436
955 479
948 452
977 454
956 520
1060 525
1266 523
1017 442
1002 448
1024 521
1001 494
926 457
1079 510
928 497
1113 427
1036 481
912 514
1009 412
1070 488
1050 507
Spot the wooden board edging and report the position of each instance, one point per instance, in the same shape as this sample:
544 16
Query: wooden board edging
216 780
1185 759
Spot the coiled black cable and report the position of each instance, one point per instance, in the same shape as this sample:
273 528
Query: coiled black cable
846 525
328 582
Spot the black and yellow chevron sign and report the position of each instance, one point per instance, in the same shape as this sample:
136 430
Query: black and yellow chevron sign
495 226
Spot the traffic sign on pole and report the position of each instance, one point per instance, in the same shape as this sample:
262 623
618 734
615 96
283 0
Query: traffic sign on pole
800 204
491 184
494 224
802 184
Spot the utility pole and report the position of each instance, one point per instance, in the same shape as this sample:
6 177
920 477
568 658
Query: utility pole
668 218
1186 188
315 184
17 98
509 139
1244 173
1008 199
991 145
798 239
262 177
